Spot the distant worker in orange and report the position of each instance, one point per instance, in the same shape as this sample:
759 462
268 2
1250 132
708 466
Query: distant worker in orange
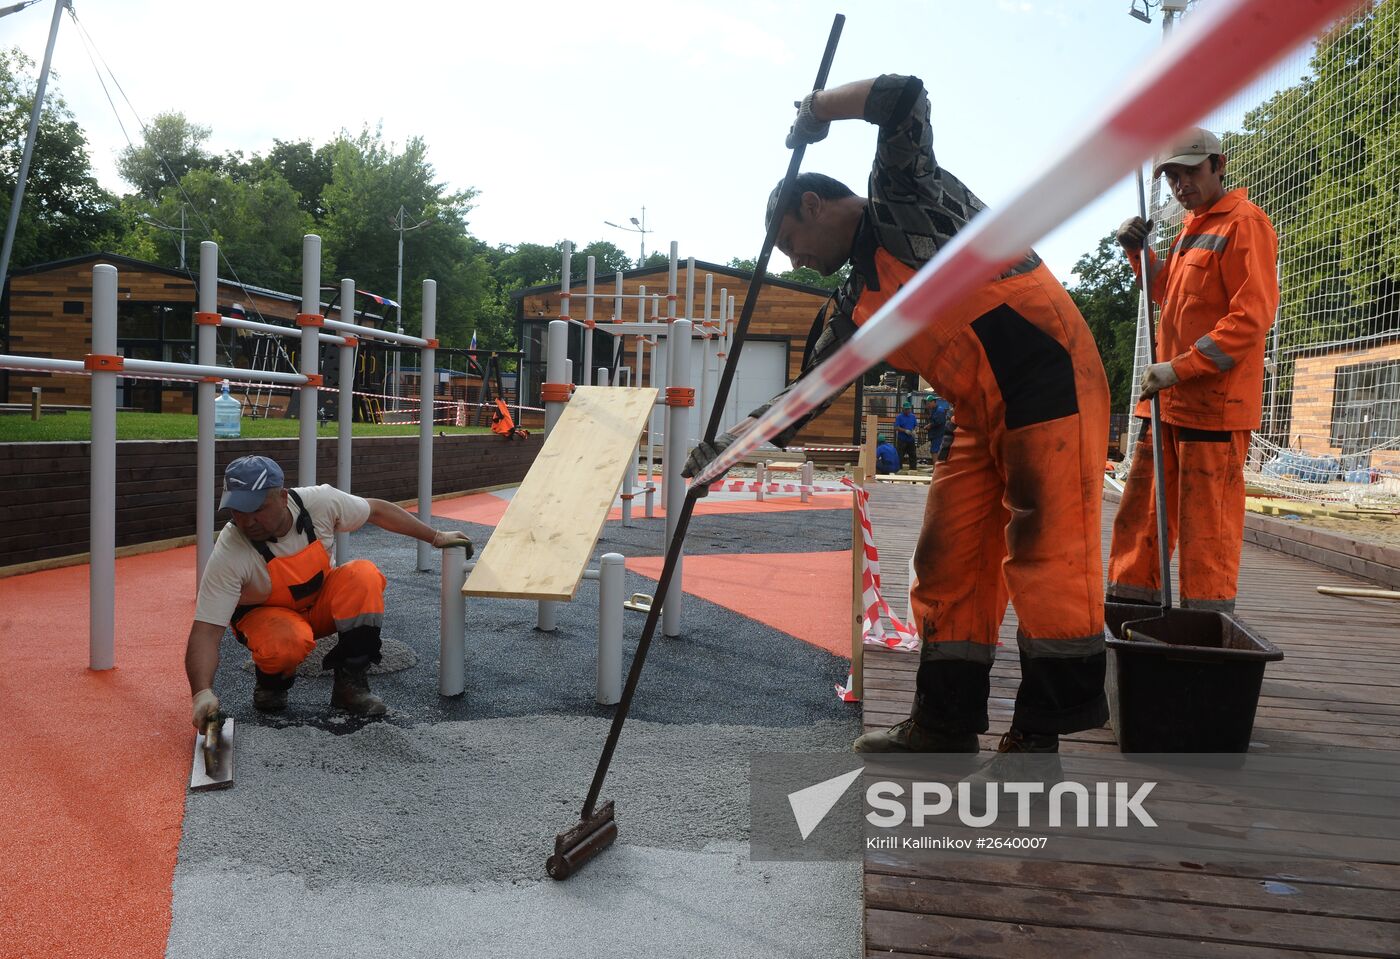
1015 510
1218 290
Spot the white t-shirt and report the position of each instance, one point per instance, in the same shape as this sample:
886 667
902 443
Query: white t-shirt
237 576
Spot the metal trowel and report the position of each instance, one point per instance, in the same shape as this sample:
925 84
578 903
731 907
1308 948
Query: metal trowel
213 756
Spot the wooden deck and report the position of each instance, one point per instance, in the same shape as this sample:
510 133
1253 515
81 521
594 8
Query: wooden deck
1339 685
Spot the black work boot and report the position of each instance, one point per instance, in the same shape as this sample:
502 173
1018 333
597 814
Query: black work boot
351 691
910 737
1021 758
270 691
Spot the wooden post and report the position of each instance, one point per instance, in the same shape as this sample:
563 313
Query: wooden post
866 464
857 590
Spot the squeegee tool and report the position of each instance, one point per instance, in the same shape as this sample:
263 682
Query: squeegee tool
213 756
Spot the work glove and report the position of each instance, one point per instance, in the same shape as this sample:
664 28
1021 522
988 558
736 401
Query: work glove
446 538
205 707
703 453
806 128
1132 233
1158 377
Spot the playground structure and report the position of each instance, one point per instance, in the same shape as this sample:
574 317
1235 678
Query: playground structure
104 367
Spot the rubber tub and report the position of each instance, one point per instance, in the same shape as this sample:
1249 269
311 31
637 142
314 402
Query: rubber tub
1186 682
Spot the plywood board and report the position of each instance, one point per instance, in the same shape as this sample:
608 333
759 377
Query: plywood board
541 547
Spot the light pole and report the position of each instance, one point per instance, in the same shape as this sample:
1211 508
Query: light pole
636 227
397 222
181 229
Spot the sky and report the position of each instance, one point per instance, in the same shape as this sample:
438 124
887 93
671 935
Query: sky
564 116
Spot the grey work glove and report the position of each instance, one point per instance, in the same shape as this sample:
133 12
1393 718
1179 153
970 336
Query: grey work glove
701 456
806 128
1132 233
205 706
443 539
1158 377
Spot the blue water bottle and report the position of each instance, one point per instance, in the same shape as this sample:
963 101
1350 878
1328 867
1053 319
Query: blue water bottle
227 413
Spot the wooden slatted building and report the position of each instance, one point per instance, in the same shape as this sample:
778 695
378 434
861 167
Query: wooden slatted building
771 357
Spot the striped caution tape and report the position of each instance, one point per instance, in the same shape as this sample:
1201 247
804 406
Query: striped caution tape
740 486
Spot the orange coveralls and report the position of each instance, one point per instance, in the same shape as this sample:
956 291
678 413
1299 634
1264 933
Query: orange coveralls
1015 509
1219 293
310 599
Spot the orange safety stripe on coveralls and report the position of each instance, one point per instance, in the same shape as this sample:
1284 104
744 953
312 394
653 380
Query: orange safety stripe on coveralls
1219 293
1015 509
309 599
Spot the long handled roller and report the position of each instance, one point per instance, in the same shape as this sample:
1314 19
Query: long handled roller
597 826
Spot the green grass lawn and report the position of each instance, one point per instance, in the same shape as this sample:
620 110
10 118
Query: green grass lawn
77 425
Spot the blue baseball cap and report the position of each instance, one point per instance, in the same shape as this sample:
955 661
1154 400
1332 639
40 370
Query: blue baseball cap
247 481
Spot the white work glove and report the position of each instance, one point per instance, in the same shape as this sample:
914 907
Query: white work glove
446 538
1158 377
1132 233
806 128
205 706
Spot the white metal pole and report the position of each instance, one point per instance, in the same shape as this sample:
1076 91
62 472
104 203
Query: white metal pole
808 471
427 386
310 357
760 475
617 297
602 376
102 478
206 349
452 624
611 584
706 352
345 419
678 342
642 342
556 365
588 325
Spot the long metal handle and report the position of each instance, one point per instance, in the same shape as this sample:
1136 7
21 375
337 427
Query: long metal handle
673 549
760 269
1159 472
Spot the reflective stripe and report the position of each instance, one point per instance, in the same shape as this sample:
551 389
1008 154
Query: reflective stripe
1212 605
962 651
1214 242
364 619
1129 591
1072 648
1212 351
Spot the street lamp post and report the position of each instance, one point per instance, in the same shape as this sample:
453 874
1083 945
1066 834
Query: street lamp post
636 227
397 222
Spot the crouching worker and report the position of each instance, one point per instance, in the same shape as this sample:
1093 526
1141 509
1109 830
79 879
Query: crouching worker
270 577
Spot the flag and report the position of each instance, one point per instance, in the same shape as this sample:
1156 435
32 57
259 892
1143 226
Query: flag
473 339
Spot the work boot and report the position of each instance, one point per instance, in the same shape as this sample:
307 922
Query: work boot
270 692
910 737
351 692
1021 758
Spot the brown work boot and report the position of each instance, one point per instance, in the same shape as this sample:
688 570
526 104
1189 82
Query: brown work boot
1021 758
270 692
351 692
910 737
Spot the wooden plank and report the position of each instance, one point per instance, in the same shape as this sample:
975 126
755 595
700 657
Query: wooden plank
541 546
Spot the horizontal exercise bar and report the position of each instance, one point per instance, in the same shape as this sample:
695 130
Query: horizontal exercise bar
370 331
290 331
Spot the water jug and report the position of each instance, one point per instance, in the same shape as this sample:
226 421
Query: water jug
227 412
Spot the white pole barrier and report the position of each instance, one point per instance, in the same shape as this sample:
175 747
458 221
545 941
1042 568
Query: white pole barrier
310 359
206 353
610 599
808 470
343 452
102 478
427 386
556 366
642 342
602 376
679 345
588 323
702 403
1212 56
452 627
760 475
617 297
669 421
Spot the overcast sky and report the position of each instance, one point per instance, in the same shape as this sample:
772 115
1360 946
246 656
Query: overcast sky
563 116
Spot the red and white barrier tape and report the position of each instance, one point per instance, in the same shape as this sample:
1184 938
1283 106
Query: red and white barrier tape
744 486
1207 59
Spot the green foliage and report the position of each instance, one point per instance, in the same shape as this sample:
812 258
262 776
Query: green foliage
172 146
64 212
1108 297
77 425
804 275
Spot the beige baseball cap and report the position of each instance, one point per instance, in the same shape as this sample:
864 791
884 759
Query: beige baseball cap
1189 148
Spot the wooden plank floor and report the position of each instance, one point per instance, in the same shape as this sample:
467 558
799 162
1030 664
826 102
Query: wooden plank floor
1339 685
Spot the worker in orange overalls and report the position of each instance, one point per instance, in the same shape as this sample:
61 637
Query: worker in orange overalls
1015 509
1218 289
271 578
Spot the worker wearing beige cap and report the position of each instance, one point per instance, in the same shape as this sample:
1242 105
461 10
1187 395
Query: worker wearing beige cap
1218 292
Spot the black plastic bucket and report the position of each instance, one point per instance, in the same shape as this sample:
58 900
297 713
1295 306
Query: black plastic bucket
1186 682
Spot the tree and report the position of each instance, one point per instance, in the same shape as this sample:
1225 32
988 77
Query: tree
64 212
1108 297
803 275
172 147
